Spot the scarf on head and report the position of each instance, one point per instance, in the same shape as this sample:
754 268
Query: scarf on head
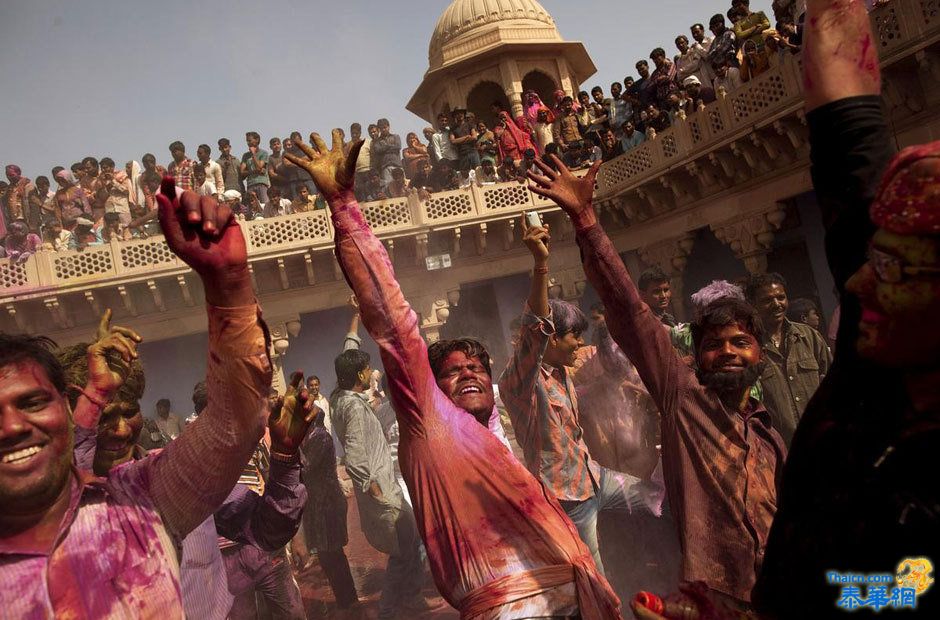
908 199
522 139
532 109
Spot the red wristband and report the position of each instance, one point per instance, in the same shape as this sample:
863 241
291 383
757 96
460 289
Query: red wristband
101 405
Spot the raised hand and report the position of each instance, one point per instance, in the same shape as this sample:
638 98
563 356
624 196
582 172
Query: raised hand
291 416
205 235
331 170
536 238
110 358
571 193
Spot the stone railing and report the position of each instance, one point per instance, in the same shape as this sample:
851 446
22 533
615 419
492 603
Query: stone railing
902 27
267 238
899 27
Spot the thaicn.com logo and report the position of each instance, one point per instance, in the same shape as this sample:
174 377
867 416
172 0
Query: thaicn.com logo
876 591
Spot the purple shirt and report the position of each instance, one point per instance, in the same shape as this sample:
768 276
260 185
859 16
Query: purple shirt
722 468
114 556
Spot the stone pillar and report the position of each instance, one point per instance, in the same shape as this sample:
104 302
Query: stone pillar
567 284
671 255
433 311
750 237
511 82
281 330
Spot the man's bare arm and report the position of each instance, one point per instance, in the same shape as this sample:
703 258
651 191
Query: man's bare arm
840 57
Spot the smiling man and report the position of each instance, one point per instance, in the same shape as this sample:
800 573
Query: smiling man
722 459
498 543
860 491
797 356
75 545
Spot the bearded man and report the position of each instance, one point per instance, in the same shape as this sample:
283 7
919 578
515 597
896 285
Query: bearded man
722 459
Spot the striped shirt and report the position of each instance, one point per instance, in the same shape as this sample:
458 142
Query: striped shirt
115 553
543 408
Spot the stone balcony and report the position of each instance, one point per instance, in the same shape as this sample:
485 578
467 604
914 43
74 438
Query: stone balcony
727 167
58 291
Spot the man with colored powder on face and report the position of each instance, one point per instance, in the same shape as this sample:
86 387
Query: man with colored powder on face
75 545
860 489
252 525
498 543
722 459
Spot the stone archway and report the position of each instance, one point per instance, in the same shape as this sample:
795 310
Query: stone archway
480 100
542 84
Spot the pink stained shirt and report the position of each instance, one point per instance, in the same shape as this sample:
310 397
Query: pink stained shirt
114 556
498 542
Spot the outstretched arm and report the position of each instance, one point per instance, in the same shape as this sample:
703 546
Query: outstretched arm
630 321
386 315
840 56
271 520
517 382
191 478
849 138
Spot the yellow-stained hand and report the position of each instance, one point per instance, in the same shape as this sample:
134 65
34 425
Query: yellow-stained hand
291 416
110 357
333 172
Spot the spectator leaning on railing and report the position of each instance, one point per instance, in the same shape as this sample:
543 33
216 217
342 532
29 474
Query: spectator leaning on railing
461 151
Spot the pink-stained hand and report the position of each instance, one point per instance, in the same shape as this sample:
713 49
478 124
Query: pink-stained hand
572 194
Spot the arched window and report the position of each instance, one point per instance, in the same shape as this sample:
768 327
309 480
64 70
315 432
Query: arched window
481 98
543 85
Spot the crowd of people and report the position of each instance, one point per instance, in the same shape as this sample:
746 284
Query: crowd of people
777 459
95 201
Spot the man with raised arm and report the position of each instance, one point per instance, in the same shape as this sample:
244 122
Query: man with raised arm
860 493
498 543
722 459
76 545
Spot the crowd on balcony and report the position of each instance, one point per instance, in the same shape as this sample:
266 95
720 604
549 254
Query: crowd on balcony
94 201
778 475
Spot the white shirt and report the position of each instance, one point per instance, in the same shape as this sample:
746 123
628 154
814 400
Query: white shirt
443 148
214 174
207 189
730 82
364 161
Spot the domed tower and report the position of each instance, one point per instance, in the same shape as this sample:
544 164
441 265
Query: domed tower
483 51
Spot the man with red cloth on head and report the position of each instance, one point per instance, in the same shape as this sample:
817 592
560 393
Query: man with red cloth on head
499 544
860 490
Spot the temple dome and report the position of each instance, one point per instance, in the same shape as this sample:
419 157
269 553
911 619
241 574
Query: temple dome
466 25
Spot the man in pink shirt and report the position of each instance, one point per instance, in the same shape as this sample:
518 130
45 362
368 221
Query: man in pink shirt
498 543
76 545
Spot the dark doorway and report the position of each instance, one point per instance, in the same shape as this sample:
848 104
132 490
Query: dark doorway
481 98
543 85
